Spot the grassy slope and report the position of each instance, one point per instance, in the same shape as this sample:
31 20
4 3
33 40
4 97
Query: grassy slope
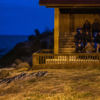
58 84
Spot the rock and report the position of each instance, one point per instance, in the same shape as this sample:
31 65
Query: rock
24 49
18 61
22 76
9 80
28 60
23 66
0 66
41 74
13 65
4 73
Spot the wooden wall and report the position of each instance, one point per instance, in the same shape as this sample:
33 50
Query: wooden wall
70 22
64 23
79 19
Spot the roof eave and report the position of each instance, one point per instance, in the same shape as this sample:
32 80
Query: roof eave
69 5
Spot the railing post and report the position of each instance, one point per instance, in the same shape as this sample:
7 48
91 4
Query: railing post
35 59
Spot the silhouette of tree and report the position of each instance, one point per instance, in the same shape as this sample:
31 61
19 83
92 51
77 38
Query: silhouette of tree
31 37
37 33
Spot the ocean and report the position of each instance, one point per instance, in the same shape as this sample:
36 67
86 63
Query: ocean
7 43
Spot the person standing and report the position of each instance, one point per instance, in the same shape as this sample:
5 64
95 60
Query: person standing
95 28
98 42
87 26
79 40
87 38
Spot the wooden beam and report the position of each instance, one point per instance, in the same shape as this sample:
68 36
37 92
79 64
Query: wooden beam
71 5
56 31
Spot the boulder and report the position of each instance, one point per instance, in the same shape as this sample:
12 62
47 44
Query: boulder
18 61
21 50
28 60
23 65
0 66
13 65
4 73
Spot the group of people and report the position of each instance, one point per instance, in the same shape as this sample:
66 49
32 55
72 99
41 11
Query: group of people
87 38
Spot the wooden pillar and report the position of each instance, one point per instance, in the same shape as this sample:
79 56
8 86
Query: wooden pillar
56 31
35 59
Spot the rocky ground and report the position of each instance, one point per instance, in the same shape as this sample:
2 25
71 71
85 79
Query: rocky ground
50 84
23 51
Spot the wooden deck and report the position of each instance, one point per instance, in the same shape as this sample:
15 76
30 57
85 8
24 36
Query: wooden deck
63 59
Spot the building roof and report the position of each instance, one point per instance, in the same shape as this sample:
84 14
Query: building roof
69 2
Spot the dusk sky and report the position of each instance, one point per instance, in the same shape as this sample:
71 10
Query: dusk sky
21 17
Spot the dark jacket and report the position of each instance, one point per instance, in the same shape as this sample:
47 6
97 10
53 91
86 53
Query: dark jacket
81 37
87 38
95 27
87 27
98 38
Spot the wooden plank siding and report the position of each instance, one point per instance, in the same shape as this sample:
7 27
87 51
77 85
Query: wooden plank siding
81 18
69 22
64 23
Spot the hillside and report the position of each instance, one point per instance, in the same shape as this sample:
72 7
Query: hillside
56 84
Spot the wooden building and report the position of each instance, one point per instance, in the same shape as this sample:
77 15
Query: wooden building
69 15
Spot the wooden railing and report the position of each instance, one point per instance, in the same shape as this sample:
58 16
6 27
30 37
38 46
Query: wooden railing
51 59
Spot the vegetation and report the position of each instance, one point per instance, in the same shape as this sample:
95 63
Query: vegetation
26 49
4 73
58 84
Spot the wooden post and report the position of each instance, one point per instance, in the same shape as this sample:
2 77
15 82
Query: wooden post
56 31
35 59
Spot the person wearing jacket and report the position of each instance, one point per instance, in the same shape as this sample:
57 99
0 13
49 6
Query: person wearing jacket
87 26
98 42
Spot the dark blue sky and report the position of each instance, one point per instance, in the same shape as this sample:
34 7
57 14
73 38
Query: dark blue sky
21 17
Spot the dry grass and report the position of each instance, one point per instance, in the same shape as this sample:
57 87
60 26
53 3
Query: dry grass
58 84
